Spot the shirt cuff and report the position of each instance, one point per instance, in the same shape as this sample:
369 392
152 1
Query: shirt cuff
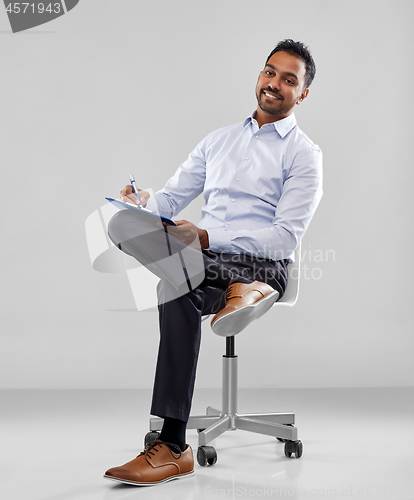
219 241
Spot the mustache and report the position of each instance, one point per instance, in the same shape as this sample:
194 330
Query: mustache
271 91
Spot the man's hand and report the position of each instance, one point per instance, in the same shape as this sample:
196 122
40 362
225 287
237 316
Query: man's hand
128 195
187 232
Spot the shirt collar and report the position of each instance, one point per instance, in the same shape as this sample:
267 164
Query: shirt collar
282 127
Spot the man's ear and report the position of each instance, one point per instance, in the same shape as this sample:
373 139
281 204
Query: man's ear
303 95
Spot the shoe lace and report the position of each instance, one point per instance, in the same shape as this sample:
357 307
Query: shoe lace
155 446
218 305
229 291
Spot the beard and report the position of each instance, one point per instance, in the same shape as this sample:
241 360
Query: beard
279 107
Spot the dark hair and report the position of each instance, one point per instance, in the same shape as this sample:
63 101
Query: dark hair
301 51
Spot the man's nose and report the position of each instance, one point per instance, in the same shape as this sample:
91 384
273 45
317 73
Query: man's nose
275 83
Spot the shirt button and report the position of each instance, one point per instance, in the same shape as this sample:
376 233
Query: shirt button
237 179
257 136
233 200
228 223
246 158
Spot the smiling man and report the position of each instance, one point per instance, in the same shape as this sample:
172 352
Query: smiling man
262 182
280 86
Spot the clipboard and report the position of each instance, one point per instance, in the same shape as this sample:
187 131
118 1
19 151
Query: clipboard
123 206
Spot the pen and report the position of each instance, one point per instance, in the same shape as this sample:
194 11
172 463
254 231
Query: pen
134 187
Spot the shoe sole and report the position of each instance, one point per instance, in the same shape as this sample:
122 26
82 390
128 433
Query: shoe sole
235 321
178 476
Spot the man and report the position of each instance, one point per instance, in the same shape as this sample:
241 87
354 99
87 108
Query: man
261 181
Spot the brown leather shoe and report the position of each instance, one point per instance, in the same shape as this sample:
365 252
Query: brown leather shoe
155 465
245 303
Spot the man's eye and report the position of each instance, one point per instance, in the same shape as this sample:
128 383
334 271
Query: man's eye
268 73
290 82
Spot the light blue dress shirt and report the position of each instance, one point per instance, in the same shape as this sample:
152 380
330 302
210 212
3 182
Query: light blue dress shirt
261 187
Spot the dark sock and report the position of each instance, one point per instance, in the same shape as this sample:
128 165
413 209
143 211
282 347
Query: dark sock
173 431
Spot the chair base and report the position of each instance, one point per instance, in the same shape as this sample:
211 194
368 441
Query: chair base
216 422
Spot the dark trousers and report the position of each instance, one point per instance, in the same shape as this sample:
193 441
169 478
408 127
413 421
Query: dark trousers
180 318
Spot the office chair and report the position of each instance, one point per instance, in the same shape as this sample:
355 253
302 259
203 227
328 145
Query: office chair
216 422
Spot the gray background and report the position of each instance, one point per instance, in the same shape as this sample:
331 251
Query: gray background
115 87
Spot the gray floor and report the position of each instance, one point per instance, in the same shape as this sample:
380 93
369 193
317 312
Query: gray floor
358 443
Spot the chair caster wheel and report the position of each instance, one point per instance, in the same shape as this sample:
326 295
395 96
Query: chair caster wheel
293 447
206 455
150 437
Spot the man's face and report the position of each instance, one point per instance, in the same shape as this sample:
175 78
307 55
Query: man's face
280 86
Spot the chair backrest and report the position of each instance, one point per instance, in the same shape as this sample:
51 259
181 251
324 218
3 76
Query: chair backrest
292 291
